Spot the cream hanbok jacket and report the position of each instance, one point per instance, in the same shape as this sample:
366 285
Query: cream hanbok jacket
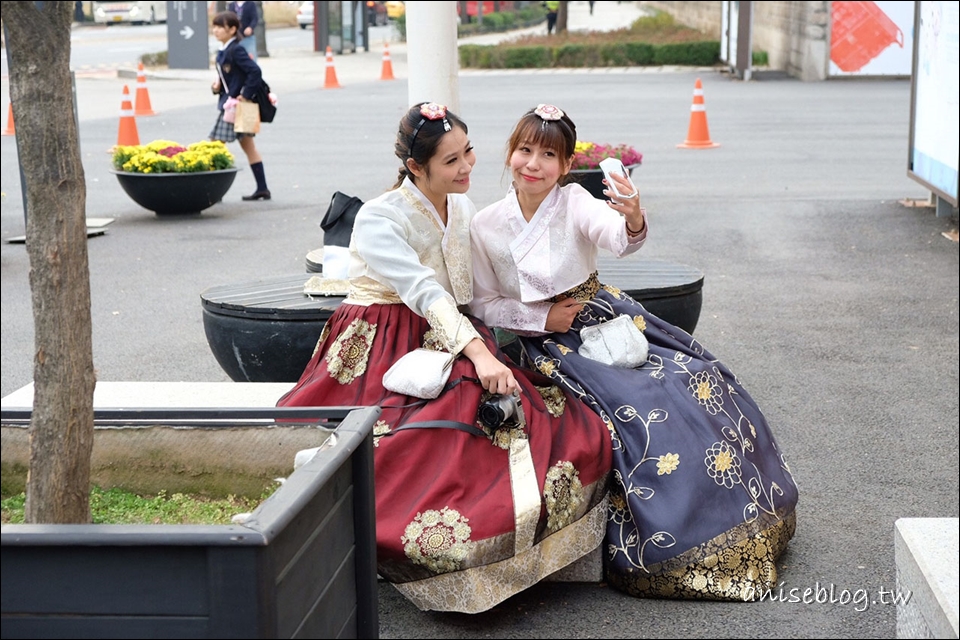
401 252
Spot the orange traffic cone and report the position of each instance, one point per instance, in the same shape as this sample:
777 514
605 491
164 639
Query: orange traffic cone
143 96
127 132
698 135
387 72
330 82
9 131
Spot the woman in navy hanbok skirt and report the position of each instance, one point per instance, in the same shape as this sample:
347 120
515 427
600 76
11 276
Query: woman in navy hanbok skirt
702 499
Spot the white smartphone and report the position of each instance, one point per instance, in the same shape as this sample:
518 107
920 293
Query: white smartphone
613 165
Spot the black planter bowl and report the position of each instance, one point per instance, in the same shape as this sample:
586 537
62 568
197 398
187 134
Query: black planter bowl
177 193
592 180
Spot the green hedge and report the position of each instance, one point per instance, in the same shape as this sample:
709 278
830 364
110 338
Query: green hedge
526 58
698 54
619 54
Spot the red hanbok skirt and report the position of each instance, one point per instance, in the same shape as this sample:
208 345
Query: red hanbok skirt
464 520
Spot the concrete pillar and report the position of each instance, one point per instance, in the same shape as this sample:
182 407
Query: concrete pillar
433 63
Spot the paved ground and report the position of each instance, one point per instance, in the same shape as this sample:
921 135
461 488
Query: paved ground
836 305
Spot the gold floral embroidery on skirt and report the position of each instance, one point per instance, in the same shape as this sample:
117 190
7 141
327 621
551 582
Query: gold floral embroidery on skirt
723 464
323 336
667 463
612 290
380 429
563 493
547 366
349 353
554 399
438 540
706 389
503 436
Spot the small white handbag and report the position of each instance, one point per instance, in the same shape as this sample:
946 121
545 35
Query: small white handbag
616 342
422 373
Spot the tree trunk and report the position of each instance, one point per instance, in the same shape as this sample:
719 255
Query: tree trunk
562 17
61 431
464 16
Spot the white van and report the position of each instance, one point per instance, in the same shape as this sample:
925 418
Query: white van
129 12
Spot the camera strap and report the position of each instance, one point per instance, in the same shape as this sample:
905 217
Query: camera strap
450 385
443 424
440 424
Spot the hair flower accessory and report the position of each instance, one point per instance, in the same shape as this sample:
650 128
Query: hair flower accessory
433 111
548 112
430 111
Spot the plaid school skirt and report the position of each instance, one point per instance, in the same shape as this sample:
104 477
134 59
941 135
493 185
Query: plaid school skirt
224 131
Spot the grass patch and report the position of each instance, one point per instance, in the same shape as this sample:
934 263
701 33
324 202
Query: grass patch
117 506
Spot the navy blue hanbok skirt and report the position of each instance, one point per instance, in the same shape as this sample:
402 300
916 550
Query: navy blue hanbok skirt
702 499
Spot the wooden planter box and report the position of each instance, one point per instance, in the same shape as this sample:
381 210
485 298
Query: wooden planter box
304 564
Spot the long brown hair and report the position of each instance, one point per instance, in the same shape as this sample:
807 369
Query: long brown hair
427 140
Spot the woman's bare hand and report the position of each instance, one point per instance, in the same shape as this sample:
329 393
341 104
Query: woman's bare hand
562 314
495 376
629 208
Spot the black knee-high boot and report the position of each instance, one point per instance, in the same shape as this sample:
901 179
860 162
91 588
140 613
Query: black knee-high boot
262 193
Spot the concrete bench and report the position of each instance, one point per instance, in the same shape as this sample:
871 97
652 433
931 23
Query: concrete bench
265 330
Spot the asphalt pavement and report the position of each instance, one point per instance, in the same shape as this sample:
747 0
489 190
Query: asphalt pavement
834 302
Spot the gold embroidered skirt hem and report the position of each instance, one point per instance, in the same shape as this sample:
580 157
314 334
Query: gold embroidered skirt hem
481 588
742 571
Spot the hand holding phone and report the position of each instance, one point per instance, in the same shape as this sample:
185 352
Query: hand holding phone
611 166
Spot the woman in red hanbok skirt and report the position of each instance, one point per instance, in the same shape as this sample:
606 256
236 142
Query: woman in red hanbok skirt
468 513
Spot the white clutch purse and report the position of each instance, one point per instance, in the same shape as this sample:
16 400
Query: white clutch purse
617 342
420 373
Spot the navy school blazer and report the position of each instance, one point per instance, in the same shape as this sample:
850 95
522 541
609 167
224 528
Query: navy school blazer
240 73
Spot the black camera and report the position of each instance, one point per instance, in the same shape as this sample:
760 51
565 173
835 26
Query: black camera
498 410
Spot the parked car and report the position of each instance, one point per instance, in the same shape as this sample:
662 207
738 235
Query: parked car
395 9
376 13
305 15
